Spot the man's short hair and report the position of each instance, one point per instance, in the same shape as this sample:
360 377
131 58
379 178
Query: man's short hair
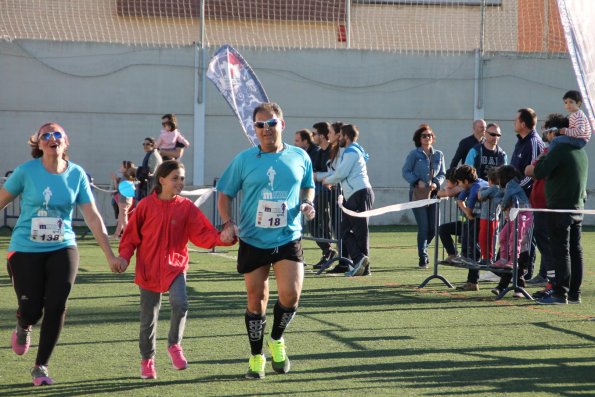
493 125
554 120
350 131
305 135
270 107
322 128
574 95
450 175
466 173
529 117
557 120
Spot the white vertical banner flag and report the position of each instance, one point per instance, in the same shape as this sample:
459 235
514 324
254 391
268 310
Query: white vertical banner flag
578 20
238 84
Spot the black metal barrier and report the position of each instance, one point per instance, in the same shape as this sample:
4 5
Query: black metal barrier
452 219
325 228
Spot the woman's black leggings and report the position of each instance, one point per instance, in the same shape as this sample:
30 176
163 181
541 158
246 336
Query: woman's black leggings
42 282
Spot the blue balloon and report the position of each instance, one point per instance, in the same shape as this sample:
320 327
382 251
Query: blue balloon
126 189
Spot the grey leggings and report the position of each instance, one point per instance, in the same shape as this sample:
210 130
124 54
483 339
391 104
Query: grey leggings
150 303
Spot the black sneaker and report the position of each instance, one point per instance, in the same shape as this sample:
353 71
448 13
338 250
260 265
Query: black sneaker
332 254
543 293
552 300
574 300
423 262
319 264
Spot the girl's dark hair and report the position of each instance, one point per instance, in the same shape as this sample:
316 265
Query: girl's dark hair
164 170
129 170
507 173
337 125
170 116
493 175
417 134
36 152
171 124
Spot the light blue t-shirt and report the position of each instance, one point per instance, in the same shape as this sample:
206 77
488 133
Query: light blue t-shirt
47 203
270 184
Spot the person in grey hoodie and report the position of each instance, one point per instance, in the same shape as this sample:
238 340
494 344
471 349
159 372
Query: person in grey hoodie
352 174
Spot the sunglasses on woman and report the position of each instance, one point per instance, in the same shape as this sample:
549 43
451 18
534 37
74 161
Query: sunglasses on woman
270 123
47 135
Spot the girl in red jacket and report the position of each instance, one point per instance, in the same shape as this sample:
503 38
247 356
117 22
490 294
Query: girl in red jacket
158 231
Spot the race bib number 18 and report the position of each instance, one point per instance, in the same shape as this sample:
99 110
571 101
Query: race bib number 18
271 214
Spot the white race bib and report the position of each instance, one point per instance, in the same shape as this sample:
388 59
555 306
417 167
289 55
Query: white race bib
47 229
271 214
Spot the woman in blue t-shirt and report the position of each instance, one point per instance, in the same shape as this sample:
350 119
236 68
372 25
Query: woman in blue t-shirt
42 256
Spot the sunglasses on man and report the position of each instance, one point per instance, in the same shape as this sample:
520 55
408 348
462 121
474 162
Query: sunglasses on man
269 123
47 135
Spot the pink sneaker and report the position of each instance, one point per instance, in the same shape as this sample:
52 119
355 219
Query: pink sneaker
177 357
147 369
503 264
21 340
41 376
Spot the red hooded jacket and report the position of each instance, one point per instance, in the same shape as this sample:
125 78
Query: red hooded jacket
159 231
537 197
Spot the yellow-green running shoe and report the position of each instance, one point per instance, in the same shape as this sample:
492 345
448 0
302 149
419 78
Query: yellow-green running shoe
256 367
279 358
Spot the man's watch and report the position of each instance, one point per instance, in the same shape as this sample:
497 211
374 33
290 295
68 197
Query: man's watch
306 201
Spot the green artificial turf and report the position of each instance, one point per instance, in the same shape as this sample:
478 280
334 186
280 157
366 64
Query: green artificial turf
360 336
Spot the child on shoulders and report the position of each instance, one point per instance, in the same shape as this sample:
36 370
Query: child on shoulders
578 132
169 137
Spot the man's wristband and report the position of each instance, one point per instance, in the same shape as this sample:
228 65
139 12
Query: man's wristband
306 201
229 221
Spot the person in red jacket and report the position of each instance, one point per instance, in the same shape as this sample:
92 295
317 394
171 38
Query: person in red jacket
159 231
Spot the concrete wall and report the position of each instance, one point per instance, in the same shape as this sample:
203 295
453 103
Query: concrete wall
109 97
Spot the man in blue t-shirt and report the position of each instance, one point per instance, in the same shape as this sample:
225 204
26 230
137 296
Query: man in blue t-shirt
277 188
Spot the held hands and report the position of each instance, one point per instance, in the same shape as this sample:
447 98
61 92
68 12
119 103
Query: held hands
308 211
229 232
117 264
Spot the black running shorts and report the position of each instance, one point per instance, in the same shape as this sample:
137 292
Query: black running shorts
251 258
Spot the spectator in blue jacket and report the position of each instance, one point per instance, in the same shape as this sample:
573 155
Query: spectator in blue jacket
418 172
